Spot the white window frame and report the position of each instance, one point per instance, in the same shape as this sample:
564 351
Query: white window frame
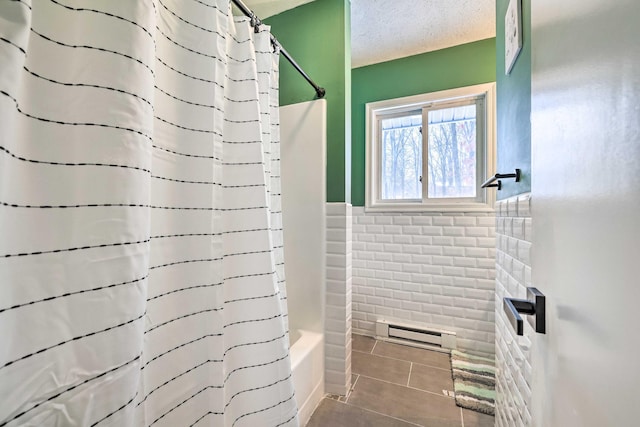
485 199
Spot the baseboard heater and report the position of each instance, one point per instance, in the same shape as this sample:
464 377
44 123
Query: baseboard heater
417 336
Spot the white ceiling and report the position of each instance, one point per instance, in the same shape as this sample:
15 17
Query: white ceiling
266 8
382 30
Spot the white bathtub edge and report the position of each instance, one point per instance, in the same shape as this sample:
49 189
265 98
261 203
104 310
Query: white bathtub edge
307 365
306 409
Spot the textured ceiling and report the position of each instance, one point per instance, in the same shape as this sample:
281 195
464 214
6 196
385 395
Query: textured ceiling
382 30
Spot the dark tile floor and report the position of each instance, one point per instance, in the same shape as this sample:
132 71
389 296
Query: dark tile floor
396 386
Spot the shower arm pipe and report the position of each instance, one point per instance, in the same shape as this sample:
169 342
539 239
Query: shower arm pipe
255 22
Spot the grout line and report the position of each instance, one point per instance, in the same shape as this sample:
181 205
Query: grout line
461 417
409 387
353 386
374 347
403 360
380 413
409 377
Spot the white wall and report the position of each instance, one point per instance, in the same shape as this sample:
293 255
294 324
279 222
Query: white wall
338 299
513 356
432 269
303 151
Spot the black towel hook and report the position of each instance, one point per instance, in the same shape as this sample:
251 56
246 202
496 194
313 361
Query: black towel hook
497 177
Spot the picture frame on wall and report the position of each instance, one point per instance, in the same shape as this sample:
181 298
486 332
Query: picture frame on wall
512 34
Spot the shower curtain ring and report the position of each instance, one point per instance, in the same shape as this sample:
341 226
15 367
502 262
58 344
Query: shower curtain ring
255 23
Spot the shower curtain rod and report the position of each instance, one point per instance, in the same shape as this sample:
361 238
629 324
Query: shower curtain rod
255 22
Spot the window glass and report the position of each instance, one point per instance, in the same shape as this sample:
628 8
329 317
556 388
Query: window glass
451 152
401 157
431 152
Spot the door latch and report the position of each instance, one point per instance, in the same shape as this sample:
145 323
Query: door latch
533 306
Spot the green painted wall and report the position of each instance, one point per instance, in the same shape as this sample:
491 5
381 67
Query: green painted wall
458 66
318 36
514 105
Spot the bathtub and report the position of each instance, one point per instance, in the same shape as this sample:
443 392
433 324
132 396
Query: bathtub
303 131
307 363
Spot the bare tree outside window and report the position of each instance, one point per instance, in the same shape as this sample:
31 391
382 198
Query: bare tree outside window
401 158
431 152
452 152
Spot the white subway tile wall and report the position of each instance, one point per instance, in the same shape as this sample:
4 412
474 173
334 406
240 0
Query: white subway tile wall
513 276
338 299
427 268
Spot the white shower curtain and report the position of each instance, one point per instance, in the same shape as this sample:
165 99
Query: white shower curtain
141 261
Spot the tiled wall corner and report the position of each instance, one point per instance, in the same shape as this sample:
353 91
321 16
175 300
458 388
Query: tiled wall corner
433 269
338 299
513 276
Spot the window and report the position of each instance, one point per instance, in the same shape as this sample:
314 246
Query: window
431 152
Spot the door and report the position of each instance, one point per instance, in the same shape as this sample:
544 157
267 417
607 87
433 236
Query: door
586 211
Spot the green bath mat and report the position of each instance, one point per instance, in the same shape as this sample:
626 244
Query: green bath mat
474 382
